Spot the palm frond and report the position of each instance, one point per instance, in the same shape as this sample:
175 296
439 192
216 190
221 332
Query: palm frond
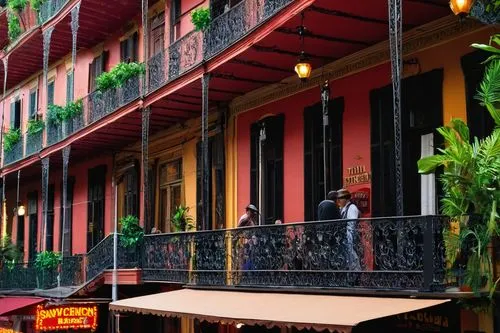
489 90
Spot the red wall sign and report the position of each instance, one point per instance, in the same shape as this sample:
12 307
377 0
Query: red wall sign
66 317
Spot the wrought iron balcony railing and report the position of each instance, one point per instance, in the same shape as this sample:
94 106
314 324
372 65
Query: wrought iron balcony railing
73 271
34 143
15 153
401 253
49 8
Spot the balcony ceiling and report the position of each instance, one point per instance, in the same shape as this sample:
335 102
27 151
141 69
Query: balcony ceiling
334 30
94 28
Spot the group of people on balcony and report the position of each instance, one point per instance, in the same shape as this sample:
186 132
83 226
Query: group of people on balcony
337 206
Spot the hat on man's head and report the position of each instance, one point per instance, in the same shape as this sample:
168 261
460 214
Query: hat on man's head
252 208
343 194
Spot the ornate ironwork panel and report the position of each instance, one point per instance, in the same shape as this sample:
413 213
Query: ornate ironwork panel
16 152
34 143
50 8
184 54
54 133
102 103
156 67
146 113
167 257
209 260
271 7
72 271
18 276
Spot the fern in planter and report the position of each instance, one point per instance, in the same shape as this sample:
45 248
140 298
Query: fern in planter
118 75
11 138
47 260
181 221
35 126
201 19
58 114
13 26
132 234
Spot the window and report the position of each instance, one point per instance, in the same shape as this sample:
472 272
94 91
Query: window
170 192
131 195
69 86
50 93
20 233
97 66
68 227
33 224
157 34
49 237
15 114
176 13
267 155
219 7
33 103
128 49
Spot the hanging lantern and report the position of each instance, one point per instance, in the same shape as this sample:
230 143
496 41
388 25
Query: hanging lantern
461 7
303 67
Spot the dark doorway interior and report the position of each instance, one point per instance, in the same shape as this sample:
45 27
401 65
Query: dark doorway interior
96 195
314 183
267 136
33 225
422 104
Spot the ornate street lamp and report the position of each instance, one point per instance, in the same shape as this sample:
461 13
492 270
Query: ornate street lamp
21 210
461 7
303 67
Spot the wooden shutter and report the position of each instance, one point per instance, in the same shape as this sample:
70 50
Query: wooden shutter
33 104
12 114
50 93
69 87
157 34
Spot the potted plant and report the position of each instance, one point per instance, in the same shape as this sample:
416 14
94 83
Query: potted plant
9 253
11 138
200 17
35 126
181 220
47 263
119 77
132 234
471 185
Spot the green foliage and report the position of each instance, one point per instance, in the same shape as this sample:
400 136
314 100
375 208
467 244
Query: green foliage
13 27
10 138
181 221
471 183
132 233
35 126
9 253
201 19
36 4
17 5
491 48
58 114
119 74
47 260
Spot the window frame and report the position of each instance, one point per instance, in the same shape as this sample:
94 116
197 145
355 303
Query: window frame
168 186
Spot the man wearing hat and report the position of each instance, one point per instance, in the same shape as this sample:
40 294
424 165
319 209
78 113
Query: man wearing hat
349 211
250 217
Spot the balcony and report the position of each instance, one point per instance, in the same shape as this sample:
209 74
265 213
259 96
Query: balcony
400 253
49 9
74 271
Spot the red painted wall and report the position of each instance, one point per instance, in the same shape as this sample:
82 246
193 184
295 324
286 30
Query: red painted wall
356 136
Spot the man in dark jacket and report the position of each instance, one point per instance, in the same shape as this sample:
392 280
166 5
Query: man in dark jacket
327 209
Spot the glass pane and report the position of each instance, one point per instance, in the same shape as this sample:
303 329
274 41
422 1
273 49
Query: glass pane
165 218
175 197
171 172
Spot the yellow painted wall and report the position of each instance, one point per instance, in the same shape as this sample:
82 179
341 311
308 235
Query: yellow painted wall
447 56
189 175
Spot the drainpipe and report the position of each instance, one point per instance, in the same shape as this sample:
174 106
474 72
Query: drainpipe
262 139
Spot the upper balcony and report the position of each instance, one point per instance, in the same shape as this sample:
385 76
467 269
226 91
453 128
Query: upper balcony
402 254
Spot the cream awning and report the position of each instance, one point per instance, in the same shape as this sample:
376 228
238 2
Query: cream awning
335 313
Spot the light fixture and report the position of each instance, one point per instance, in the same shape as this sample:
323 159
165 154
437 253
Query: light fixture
239 325
21 210
461 7
303 67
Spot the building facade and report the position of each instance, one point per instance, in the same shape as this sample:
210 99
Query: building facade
213 120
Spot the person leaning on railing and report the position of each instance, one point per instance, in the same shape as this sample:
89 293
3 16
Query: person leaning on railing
349 211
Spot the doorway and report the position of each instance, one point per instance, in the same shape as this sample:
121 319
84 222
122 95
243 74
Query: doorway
33 225
314 183
95 208
422 106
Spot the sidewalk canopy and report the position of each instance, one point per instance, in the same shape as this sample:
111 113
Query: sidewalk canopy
9 305
335 313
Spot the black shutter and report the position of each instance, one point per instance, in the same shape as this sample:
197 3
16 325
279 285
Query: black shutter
218 161
132 47
12 114
254 163
335 115
33 102
123 51
49 237
69 87
66 233
33 225
17 114
313 183
50 93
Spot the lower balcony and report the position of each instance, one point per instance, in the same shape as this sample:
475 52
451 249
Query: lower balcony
397 253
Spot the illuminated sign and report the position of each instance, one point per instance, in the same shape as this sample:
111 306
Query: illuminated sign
66 317
8 330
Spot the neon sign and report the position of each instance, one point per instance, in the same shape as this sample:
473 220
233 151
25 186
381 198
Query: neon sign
66 317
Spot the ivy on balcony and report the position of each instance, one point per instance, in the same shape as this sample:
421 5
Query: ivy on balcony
119 75
13 26
11 138
58 114
35 126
